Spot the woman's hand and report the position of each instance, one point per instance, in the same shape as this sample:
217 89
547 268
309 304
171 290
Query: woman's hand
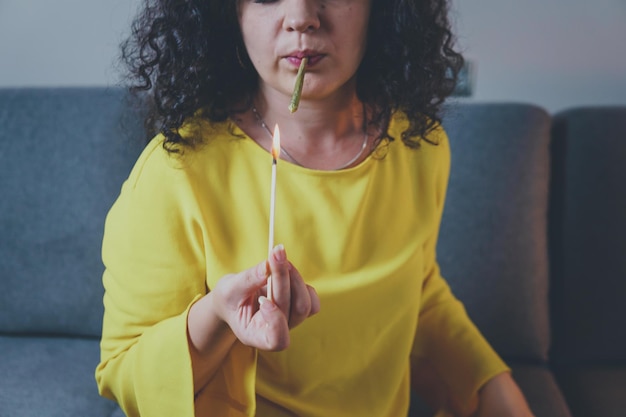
501 397
240 300
498 397
237 308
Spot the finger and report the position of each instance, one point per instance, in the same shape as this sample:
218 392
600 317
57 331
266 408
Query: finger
315 300
271 328
279 269
300 298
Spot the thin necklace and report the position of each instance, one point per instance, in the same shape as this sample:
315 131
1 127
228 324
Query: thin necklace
294 160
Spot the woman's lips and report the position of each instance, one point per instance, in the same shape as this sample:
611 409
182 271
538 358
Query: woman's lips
296 59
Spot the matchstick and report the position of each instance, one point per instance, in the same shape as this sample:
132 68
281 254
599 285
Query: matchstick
275 156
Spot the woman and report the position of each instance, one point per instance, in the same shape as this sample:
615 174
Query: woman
358 311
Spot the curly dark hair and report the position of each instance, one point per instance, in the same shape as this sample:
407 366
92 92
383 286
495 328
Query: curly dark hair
188 55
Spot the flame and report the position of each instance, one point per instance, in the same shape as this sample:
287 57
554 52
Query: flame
276 143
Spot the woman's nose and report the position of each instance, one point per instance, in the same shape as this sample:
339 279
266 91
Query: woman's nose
301 15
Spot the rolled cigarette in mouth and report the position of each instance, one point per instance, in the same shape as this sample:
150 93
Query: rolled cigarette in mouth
297 89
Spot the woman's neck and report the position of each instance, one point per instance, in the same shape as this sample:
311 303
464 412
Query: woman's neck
316 122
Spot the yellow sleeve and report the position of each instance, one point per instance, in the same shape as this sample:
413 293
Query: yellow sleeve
446 338
154 271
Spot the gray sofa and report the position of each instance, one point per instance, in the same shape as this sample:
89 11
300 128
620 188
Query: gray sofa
533 241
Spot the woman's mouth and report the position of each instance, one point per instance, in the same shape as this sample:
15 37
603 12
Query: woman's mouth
297 58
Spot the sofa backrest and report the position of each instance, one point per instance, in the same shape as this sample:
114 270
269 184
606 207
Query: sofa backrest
493 241
63 156
588 236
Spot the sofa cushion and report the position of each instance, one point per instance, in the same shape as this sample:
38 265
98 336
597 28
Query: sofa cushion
62 161
493 240
595 391
588 237
52 377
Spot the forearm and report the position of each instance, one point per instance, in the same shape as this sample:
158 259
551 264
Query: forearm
210 339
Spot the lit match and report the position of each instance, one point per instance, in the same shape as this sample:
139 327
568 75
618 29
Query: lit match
275 156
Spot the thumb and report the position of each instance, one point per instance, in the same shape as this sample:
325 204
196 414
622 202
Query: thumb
252 279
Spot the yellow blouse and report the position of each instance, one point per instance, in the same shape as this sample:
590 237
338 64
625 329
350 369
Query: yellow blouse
364 237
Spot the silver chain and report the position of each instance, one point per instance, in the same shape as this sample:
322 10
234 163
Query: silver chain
294 160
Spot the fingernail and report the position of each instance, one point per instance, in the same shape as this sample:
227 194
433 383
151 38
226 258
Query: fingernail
265 304
279 253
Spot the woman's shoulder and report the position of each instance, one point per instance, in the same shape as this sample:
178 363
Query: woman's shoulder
165 162
433 146
429 163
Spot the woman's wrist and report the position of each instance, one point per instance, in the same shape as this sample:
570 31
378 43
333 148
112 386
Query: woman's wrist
206 327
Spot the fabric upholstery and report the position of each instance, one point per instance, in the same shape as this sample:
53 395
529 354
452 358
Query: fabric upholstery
595 391
62 161
65 152
52 377
493 239
588 237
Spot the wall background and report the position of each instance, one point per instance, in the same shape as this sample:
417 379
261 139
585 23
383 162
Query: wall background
555 53
61 42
